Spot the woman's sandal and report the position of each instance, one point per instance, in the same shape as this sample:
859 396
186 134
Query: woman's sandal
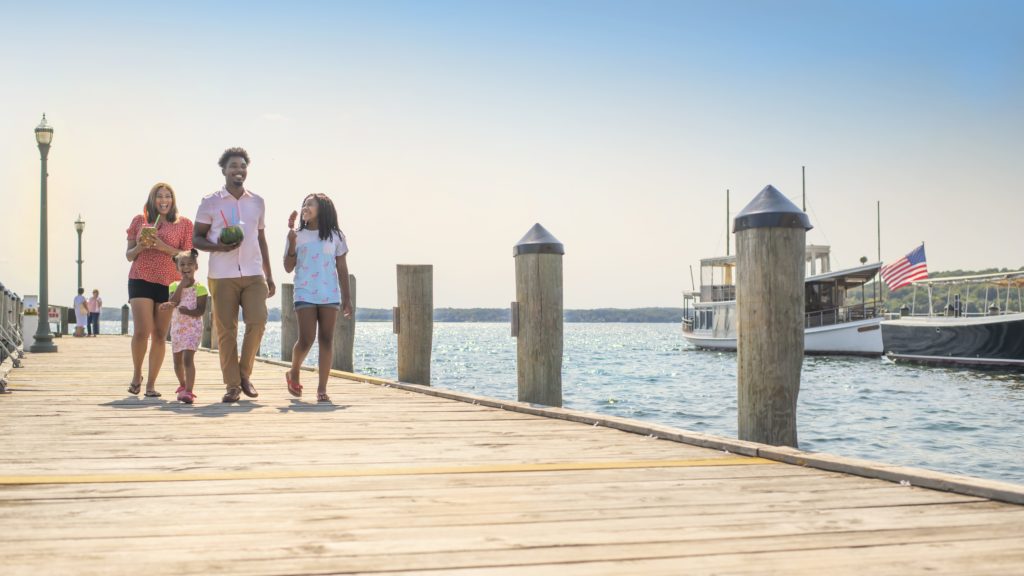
153 394
135 388
294 388
186 397
323 397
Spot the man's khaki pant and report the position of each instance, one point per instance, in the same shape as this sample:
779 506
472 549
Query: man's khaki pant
249 292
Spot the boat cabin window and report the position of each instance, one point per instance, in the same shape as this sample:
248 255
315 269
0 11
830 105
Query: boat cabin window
718 279
821 297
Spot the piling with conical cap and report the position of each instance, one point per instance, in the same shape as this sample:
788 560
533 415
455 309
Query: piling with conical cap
537 317
770 239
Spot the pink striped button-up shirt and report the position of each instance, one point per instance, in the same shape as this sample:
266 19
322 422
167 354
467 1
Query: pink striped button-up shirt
247 212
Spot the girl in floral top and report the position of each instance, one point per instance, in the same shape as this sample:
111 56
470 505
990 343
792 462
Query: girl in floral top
316 252
188 300
153 237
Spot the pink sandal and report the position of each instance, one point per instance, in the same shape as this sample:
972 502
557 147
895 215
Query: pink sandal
294 388
186 397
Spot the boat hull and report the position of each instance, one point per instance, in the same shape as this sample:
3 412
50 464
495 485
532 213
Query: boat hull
979 341
859 338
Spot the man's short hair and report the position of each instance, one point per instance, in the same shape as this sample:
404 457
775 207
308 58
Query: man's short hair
230 153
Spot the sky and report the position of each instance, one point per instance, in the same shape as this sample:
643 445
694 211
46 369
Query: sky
444 131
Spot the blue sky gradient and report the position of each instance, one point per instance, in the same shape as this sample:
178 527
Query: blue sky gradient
444 130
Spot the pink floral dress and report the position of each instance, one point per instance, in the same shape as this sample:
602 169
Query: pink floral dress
186 331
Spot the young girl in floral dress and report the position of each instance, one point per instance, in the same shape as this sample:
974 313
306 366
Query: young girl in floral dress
188 299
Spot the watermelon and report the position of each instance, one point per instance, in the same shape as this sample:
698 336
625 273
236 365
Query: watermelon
231 235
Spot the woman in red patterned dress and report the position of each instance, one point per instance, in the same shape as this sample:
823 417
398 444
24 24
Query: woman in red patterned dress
153 238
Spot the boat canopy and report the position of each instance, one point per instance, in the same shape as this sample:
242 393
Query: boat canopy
848 277
718 279
719 261
1011 279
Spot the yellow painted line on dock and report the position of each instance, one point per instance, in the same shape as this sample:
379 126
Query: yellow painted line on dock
367 472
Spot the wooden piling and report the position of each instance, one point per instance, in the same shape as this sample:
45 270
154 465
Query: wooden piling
770 238
414 322
289 323
214 344
537 324
124 320
345 333
207 324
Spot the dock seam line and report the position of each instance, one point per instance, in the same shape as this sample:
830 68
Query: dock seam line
403 471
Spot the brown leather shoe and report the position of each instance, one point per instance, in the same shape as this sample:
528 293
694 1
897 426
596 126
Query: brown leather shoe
248 389
232 396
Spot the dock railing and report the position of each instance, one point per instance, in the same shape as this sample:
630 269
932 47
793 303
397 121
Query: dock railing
841 315
11 345
718 293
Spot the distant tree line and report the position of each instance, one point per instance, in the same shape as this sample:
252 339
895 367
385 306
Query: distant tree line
504 314
625 315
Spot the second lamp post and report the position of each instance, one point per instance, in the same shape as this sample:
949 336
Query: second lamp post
79 227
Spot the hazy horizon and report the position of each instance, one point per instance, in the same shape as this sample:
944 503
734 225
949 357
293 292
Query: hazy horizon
444 130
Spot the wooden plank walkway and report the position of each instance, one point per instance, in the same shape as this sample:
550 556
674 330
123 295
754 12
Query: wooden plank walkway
391 481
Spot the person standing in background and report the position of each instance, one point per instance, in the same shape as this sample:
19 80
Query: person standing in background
81 313
95 306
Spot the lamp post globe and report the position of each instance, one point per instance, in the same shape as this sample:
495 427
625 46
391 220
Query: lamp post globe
43 337
80 227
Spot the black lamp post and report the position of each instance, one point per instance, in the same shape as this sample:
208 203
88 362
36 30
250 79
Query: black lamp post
43 336
79 227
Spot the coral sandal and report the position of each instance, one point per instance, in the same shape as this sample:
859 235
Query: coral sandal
294 388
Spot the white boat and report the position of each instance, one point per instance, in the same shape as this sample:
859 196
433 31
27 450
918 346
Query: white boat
831 324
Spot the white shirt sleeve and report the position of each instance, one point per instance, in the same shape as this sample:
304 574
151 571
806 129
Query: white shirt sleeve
340 246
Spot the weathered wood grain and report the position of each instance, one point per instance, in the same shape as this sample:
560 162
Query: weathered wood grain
400 479
415 322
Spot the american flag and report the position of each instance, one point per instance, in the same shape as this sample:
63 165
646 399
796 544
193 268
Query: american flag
905 270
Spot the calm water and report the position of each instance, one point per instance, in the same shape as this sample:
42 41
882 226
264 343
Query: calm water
953 420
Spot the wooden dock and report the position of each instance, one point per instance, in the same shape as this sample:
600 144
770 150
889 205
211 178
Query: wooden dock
389 480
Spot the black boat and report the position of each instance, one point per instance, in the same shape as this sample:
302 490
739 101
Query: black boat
974 328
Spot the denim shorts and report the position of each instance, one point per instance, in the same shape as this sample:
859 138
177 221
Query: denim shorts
301 305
